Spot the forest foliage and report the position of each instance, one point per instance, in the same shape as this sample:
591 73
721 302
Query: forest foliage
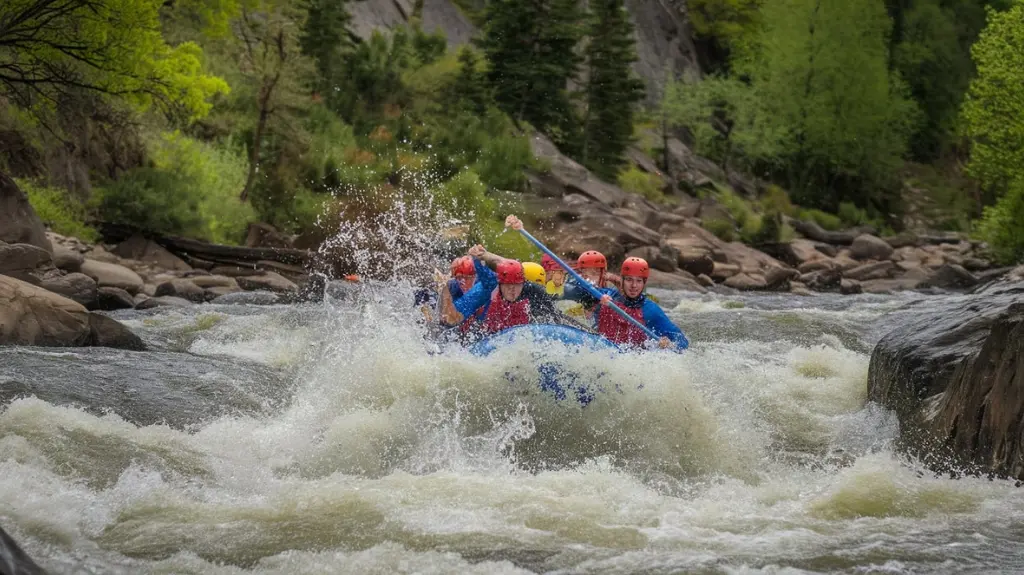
198 117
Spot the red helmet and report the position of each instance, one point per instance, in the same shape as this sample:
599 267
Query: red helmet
463 266
592 259
636 267
548 263
510 272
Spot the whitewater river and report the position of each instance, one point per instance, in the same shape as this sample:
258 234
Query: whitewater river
327 438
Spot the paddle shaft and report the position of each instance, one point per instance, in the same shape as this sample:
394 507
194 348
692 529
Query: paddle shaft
587 285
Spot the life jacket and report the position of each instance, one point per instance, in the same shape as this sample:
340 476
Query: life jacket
470 321
502 314
619 330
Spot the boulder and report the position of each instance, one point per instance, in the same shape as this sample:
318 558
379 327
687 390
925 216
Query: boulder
19 223
816 265
163 301
217 291
657 258
182 288
705 280
108 332
112 275
209 281
697 264
248 298
778 278
953 376
67 259
951 276
869 247
567 176
849 287
75 286
884 286
100 254
268 281
679 280
31 315
976 264
141 249
871 271
112 298
746 282
722 272
19 260
823 280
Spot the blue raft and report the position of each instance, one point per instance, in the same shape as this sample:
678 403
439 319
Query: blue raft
554 378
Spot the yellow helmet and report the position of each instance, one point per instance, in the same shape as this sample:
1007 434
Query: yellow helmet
534 273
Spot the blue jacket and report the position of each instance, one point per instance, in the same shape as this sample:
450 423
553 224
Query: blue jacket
654 317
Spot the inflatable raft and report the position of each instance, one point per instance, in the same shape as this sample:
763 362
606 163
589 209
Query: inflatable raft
554 376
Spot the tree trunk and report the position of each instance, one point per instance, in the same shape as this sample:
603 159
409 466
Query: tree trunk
257 139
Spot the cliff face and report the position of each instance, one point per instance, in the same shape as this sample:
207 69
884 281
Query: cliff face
664 43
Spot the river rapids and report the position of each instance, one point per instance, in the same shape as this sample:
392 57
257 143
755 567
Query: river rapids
332 437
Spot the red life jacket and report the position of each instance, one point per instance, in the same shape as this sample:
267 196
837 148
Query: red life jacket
617 329
502 314
470 321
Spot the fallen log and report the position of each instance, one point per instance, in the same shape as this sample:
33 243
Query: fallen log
191 249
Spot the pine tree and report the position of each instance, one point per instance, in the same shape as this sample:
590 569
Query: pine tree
470 88
325 38
612 89
530 45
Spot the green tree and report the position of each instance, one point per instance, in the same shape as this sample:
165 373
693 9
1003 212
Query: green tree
819 72
612 90
325 38
470 86
993 111
725 24
52 48
530 45
274 70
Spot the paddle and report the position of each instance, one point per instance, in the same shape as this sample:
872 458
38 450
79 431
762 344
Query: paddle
587 285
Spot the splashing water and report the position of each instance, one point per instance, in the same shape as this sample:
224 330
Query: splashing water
332 438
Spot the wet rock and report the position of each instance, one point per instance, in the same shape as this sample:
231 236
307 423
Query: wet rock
869 247
141 249
67 259
746 282
112 298
112 275
248 298
951 276
953 377
163 301
182 288
13 560
267 281
976 264
31 315
76 286
798 288
849 287
108 332
19 223
705 281
871 271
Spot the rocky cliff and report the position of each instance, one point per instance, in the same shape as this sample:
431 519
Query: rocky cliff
664 43
955 378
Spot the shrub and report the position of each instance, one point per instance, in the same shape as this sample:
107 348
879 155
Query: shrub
851 215
1002 225
191 188
823 219
58 210
721 228
776 199
648 185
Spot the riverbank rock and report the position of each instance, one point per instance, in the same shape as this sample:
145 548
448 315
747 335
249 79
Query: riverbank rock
954 376
13 560
31 315
267 281
19 223
141 249
112 275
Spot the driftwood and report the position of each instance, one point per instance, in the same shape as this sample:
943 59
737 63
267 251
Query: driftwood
813 231
289 260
